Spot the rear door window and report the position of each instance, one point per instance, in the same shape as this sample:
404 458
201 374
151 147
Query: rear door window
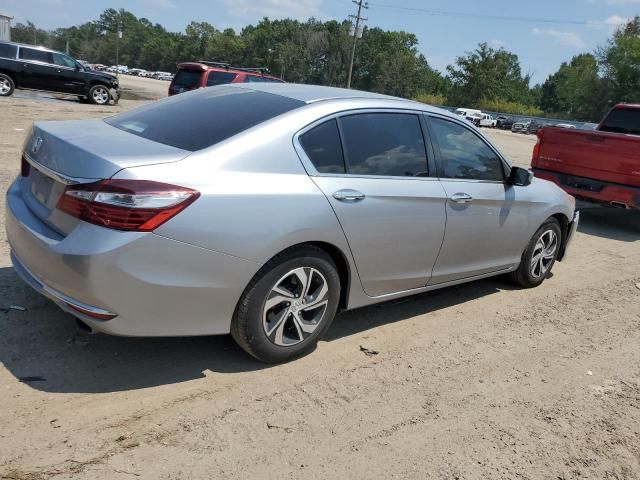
220 78
322 146
385 144
8 51
622 120
187 79
35 55
200 119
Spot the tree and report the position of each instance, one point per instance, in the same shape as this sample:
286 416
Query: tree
487 74
576 90
620 63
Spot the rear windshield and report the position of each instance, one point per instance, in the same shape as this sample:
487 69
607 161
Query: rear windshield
187 79
220 78
200 119
622 120
7 50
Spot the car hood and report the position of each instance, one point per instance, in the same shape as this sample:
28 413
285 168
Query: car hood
103 76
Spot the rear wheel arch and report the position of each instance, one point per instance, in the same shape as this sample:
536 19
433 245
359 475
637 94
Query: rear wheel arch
10 75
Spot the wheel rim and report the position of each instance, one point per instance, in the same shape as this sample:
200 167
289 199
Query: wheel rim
544 253
295 306
5 87
101 95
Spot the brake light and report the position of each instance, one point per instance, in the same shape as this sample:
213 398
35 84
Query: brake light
536 148
130 205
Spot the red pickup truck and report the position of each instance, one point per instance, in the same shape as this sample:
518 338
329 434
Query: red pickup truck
601 166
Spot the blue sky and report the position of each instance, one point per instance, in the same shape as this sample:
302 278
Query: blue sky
541 45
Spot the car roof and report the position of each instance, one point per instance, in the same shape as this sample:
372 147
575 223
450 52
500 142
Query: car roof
214 68
313 93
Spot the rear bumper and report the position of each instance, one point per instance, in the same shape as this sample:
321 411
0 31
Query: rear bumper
593 190
156 286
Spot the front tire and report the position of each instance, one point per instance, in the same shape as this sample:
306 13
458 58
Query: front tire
288 305
99 95
7 86
540 255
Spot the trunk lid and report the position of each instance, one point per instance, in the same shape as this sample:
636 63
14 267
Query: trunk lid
60 153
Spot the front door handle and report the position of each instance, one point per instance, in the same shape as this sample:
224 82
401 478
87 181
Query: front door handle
461 198
348 195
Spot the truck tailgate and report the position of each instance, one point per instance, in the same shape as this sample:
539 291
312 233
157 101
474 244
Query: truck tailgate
608 157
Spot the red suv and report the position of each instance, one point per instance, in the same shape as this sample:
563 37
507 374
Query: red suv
192 75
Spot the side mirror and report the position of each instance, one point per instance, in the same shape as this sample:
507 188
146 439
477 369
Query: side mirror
520 177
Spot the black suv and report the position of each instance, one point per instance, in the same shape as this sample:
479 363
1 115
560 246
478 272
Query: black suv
37 68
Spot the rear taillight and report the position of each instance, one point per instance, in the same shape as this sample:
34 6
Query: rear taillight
131 205
536 148
25 166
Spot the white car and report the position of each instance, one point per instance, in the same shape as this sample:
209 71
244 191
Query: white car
488 121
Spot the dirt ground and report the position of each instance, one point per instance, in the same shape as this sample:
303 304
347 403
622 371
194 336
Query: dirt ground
479 381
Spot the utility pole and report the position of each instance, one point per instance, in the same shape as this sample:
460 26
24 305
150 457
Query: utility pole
118 37
357 33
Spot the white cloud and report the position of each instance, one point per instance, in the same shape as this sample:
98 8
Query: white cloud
497 43
299 9
613 22
566 38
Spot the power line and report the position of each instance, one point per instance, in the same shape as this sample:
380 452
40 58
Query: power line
444 13
357 18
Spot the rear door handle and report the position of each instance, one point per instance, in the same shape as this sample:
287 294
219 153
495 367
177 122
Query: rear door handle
348 196
461 198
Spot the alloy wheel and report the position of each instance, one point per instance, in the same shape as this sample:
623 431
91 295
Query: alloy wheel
100 95
5 86
295 306
544 253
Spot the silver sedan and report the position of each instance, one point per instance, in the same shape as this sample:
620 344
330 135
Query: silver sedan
262 210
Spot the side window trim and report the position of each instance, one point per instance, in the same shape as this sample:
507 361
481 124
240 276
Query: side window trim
313 172
440 166
347 160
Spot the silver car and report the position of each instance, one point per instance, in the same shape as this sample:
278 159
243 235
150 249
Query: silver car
262 210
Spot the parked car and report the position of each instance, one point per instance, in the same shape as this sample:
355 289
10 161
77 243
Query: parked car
504 123
521 126
601 166
488 121
193 75
167 77
157 75
535 126
264 221
565 125
38 68
469 114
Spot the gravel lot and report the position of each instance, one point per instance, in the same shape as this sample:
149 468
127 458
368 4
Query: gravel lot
480 381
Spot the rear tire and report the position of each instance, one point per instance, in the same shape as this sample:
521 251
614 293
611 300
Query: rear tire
288 305
539 256
7 87
99 95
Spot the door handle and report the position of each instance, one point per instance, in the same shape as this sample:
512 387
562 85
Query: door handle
461 198
348 195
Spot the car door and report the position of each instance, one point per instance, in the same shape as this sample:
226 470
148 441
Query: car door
372 166
37 69
69 77
488 220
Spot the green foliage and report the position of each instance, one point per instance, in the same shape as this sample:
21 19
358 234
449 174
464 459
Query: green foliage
487 74
386 61
514 108
431 99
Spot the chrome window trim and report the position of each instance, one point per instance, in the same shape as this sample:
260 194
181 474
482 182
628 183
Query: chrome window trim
313 172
